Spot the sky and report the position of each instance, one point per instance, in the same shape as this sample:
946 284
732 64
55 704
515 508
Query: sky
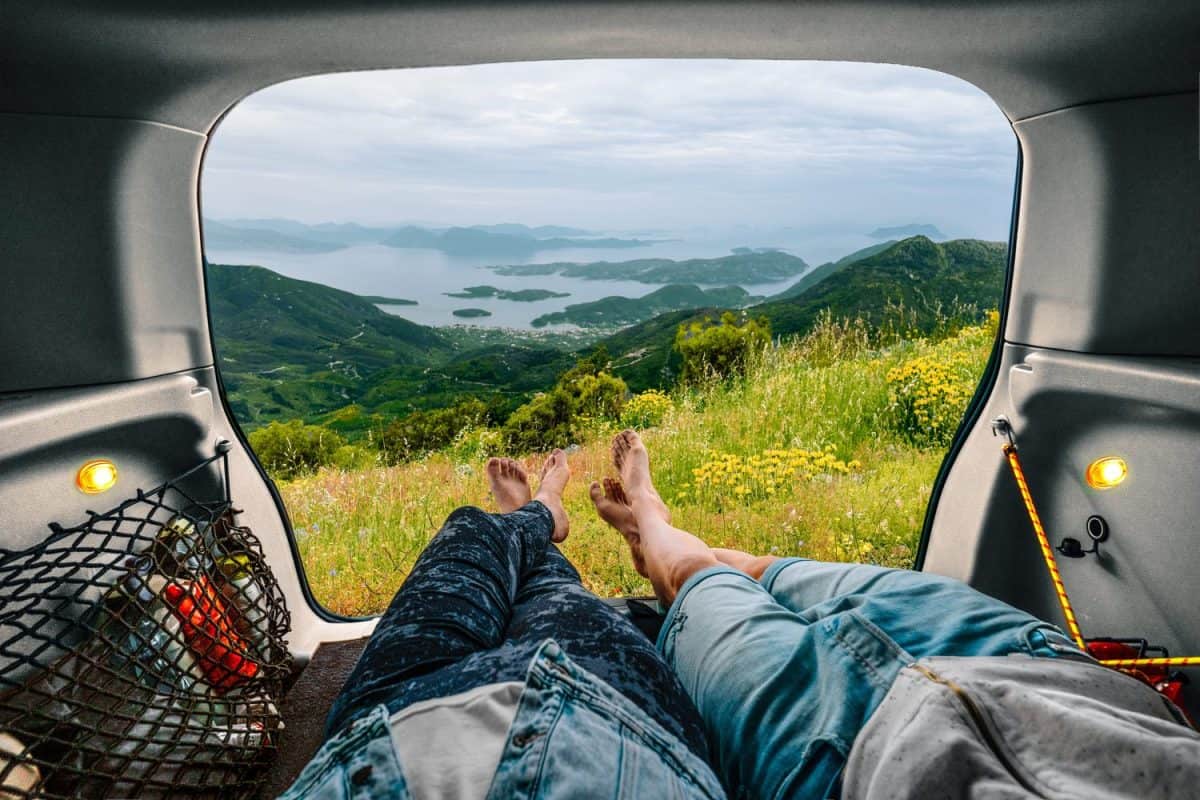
619 146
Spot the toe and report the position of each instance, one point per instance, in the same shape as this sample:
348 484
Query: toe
597 493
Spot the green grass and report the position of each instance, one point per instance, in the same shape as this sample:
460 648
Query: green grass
360 531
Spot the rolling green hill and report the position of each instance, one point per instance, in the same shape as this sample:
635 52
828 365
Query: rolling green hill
928 278
291 348
617 311
818 274
294 349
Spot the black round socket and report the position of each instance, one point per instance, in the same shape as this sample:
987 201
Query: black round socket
1097 528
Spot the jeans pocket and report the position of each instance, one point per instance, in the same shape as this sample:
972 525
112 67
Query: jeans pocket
1046 641
878 657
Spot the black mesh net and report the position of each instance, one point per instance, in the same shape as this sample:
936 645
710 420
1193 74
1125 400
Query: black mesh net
142 652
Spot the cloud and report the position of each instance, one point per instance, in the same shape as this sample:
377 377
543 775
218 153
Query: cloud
620 144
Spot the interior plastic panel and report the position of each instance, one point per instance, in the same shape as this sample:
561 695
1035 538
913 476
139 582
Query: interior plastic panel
1108 245
101 274
186 63
1069 409
152 430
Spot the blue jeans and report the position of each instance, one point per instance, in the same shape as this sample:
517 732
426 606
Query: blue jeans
573 736
492 600
785 671
486 593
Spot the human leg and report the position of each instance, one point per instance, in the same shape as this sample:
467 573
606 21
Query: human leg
459 596
926 614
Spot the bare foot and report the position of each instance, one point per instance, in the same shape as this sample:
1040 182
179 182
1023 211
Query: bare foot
633 463
754 566
509 483
613 507
555 474
669 555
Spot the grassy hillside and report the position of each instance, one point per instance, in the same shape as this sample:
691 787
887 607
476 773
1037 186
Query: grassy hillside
291 348
809 454
913 285
818 274
924 277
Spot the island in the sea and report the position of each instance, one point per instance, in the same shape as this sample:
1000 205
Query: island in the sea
739 268
616 311
471 313
518 295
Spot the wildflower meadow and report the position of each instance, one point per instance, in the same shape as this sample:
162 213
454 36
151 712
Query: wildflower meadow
826 447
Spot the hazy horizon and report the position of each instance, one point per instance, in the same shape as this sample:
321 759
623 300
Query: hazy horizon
708 147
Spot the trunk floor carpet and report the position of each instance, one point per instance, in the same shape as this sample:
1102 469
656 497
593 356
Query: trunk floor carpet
304 709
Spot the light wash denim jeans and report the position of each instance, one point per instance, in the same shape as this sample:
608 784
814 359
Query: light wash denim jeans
786 671
573 736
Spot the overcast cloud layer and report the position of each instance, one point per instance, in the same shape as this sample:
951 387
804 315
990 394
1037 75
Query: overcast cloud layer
621 145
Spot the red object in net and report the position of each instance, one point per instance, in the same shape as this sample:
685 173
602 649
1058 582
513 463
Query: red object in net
1161 678
209 632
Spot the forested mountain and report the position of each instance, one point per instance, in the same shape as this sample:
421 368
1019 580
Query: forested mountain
927 278
924 276
616 311
818 274
291 348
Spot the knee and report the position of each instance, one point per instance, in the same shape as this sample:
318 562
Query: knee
470 517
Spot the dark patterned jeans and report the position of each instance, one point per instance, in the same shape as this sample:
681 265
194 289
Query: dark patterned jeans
486 592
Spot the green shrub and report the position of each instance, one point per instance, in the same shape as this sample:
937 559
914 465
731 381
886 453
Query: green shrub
424 432
353 457
719 349
584 395
289 449
646 410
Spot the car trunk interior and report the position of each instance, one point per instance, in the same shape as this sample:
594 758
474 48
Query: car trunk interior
105 344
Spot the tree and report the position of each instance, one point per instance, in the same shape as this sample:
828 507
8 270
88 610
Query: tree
426 431
719 349
290 449
584 394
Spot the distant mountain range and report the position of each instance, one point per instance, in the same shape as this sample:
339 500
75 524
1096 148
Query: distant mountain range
505 240
291 348
486 244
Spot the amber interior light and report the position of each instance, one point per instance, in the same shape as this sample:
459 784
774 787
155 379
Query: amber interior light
1107 472
96 476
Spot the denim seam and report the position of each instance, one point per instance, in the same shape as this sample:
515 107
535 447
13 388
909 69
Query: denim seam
772 572
881 636
647 731
838 744
669 623
339 750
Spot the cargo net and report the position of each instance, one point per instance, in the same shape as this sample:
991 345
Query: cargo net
142 652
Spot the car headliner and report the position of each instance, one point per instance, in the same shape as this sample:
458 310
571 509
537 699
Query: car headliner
184 64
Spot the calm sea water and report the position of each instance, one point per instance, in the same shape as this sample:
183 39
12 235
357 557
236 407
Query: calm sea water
426 276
